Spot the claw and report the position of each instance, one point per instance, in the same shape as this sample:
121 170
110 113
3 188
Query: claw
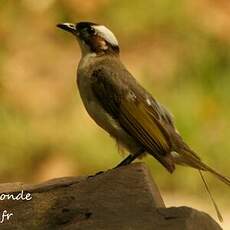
98 173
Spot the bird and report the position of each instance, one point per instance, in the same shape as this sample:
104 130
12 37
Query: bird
122 107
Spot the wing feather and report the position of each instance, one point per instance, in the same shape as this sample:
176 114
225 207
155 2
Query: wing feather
126 102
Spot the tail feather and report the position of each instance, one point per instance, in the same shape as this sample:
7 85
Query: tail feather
218 213
186 157
218 175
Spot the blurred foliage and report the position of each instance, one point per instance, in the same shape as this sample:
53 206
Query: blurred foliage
179 50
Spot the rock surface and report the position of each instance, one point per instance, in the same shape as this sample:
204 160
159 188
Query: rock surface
125 198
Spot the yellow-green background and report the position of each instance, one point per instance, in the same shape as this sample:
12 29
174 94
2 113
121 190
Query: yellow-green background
179 50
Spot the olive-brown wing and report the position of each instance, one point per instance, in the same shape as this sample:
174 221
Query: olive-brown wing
127 106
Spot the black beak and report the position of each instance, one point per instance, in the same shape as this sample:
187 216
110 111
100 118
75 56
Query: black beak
68 27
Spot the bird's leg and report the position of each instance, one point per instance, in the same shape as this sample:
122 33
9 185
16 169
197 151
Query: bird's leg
126 161
129 159
98 173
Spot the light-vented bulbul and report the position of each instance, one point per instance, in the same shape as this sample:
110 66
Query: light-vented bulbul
122 107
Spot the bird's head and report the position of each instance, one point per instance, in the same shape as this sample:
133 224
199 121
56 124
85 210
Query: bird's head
93 38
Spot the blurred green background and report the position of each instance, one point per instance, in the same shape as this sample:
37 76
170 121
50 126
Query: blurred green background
179 50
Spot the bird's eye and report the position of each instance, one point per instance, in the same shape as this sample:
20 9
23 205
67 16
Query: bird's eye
88 31
91 30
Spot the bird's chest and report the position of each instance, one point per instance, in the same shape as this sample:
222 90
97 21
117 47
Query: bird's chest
84 85
92 105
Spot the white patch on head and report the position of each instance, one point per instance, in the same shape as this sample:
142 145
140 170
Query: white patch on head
107 34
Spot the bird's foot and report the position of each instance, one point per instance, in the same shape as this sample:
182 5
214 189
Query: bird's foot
96 174
126 161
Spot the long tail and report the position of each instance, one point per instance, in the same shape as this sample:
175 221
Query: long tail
219 216
221 177
189 158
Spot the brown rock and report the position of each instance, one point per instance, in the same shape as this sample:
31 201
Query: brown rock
125 198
